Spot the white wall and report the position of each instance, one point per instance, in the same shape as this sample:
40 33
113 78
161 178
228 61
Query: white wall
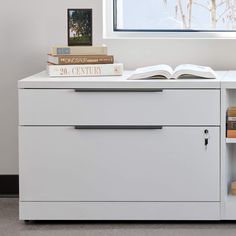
27 30
29 27
220 54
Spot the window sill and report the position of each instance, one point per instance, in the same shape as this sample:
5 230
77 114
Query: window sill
169 35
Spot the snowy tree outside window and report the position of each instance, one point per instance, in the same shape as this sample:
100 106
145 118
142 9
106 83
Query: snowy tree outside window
175 15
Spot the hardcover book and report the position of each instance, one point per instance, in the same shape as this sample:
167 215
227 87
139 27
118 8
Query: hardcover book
231 133
231 112
79 50
85 70
231 125
231 118
75 59
166 72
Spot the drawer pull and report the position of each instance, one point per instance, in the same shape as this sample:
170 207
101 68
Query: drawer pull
119 90
118 127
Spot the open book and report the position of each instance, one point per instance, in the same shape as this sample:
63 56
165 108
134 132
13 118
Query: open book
166 72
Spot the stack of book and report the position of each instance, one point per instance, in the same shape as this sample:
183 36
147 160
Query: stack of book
82 61
233 188
231 122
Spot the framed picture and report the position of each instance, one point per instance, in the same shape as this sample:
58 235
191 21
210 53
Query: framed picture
79 27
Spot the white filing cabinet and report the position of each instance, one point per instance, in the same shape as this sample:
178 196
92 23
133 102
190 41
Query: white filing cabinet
119 150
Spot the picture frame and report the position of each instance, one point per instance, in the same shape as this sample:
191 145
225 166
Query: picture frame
79 29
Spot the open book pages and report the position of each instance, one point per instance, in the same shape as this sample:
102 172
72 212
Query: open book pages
162 71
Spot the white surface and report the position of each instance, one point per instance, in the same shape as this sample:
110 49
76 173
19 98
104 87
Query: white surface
229 81
65 164
169 107
119 210
138 52
229 208
42 80
224 153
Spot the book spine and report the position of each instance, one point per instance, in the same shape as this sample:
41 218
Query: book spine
80 60
231 125
231 118
231 113
82 50
85 70
231 134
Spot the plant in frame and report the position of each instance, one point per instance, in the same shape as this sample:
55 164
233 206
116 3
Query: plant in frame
79 27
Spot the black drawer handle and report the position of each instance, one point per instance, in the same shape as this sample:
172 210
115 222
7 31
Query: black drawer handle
119 90
118 127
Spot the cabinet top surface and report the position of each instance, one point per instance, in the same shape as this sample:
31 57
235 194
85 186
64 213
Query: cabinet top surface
229 80
42 80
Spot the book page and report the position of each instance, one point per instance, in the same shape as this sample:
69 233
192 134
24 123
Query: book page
194 71
151 71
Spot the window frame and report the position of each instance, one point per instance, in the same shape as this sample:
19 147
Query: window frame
111 31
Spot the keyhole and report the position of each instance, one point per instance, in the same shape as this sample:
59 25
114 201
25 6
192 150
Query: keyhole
206 137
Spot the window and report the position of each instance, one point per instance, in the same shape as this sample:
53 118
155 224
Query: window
175 15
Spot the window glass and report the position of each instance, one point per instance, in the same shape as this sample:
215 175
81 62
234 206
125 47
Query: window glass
175 15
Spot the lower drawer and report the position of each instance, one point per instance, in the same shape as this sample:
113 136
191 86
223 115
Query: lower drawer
168 164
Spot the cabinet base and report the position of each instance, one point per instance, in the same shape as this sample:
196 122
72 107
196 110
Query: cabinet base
119 211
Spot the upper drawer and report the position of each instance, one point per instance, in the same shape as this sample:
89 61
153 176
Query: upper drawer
159 107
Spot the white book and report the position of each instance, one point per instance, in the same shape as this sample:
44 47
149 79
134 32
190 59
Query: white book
231 118
79 50
163 71
85 70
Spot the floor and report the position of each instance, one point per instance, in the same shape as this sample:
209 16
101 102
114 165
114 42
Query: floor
11 226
